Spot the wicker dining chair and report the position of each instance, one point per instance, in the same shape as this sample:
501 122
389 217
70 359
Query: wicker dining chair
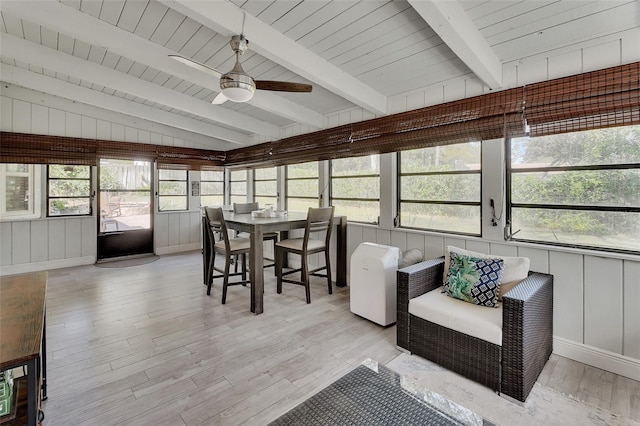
242 208
319 220
228 247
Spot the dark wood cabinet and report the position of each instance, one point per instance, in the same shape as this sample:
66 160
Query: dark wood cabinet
23 342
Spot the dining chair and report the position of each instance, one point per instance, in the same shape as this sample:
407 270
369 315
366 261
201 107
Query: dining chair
319 220
228 247
242 208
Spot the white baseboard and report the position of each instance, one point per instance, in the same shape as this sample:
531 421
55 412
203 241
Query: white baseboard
178 249
596 357
44 266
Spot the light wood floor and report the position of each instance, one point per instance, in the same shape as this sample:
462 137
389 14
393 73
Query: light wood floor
145 345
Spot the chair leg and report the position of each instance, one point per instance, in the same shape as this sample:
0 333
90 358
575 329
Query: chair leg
328 263
244 267
226 279
210 270
278 269
305 277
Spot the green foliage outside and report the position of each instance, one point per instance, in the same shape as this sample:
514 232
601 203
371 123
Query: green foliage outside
447 187
69 190
356 185
613 187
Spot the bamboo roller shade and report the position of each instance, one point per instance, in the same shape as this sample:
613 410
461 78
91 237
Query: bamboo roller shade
603 98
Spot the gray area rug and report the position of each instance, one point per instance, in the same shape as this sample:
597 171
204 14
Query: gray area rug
365 396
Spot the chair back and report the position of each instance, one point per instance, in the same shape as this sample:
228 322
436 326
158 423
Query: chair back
215 219
318 220
245 207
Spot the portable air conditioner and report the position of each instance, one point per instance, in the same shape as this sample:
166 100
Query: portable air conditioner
373 282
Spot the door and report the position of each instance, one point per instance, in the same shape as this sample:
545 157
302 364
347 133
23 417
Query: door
125 222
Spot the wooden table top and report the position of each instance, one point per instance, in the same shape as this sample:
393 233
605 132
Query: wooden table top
22 299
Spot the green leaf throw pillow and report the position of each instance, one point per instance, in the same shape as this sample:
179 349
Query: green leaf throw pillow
474 279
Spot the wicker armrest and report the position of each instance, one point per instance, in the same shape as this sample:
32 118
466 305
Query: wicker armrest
527 333
413 281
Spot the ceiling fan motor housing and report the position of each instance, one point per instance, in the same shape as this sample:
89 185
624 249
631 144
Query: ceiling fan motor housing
239 44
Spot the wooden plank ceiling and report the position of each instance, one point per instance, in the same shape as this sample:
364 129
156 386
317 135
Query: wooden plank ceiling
113 54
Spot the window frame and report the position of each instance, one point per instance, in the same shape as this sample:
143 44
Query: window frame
287 179
34 192
510 170
185 195
48 196
257 195
202 194
400 200
355 176
232 181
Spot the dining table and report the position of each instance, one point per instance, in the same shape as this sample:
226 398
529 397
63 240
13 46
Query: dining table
256 227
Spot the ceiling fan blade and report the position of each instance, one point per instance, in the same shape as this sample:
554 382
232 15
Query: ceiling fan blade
220 99
196 65
282 86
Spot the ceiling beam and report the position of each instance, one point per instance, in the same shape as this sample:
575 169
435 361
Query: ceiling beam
36 54
69 21
73 92
449 20
227 19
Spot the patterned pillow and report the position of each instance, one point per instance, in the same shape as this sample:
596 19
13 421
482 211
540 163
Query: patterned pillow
474 279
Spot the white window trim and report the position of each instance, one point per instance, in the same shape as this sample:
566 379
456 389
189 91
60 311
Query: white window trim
35 195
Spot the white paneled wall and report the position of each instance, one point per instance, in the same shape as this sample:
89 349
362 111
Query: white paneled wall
47 243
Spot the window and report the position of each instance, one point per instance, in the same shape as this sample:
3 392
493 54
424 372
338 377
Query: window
238 186
212 188
68 190
265 184
439 188
577 189
302 186
172 190
355 188
20 191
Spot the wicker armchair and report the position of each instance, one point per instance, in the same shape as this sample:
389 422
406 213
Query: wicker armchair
527 332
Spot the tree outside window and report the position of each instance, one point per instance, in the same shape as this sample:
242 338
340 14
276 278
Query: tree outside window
577 189
355 188
68 190
302 186
439 188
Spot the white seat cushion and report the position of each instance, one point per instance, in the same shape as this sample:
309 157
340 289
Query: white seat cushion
235 244
478 321
296 244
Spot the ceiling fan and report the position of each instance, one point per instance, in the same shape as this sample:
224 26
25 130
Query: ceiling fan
238 86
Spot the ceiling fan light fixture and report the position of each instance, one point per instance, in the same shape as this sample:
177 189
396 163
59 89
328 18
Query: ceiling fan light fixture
237 87
238 93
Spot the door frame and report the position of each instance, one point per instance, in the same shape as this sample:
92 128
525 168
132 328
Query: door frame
125 242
